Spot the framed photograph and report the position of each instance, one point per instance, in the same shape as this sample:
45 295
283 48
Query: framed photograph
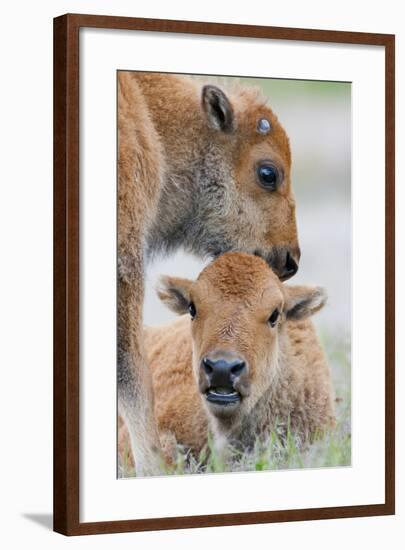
223 274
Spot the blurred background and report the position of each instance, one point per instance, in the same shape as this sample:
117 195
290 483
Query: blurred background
317 118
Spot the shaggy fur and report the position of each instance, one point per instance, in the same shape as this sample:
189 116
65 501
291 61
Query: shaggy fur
288 382
187 177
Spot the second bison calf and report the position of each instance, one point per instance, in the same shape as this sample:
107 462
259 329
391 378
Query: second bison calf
246 359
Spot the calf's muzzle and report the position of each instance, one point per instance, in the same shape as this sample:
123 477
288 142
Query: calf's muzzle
223 372
284 262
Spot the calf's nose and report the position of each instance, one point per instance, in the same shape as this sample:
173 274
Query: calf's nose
290 267
284 262
222 372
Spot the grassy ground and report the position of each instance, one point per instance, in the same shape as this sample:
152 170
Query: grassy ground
332 450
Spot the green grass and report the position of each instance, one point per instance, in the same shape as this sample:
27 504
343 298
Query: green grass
331 450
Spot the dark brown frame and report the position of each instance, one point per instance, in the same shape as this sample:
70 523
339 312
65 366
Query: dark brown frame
66 273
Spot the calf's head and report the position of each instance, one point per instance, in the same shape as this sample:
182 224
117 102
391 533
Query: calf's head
245 199
238 309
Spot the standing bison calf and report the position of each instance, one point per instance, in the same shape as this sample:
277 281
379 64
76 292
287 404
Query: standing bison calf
198 168
248 361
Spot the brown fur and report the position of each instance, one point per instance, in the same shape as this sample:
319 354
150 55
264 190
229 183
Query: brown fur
288 381
187 161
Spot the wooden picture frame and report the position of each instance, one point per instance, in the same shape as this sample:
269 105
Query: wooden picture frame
67 283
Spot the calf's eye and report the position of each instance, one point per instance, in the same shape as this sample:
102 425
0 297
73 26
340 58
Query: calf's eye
273 317
268 176
192 310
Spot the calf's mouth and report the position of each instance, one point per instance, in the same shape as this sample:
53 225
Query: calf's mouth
224 397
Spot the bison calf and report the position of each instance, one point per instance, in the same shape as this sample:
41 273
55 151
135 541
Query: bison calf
246 360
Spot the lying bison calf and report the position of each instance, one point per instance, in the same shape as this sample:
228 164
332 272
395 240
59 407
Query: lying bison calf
245 361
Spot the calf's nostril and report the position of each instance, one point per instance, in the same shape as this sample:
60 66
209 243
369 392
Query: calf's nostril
237 369
291 266
208 368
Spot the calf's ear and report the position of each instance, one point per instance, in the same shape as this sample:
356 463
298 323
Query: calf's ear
304 301
174 293
218 109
